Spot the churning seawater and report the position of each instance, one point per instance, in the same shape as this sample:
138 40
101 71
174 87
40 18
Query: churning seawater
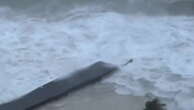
41 40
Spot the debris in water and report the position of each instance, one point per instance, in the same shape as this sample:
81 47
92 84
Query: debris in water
154 104
128 61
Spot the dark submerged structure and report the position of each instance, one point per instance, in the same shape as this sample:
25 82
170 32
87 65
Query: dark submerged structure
61 87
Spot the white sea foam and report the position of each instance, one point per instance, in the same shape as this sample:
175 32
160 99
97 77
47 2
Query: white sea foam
35 51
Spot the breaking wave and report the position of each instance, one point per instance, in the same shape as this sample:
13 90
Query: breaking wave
38 44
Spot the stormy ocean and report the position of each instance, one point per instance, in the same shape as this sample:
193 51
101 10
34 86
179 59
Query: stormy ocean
152 41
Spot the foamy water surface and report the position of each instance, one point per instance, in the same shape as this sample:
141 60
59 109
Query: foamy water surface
35 51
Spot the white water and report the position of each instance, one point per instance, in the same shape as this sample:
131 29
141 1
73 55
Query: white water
35 51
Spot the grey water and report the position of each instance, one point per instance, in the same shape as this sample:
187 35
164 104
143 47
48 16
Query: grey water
148 7
174 27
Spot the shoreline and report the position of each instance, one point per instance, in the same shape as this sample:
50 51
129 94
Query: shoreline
95 97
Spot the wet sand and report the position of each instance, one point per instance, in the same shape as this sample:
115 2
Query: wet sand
95 97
